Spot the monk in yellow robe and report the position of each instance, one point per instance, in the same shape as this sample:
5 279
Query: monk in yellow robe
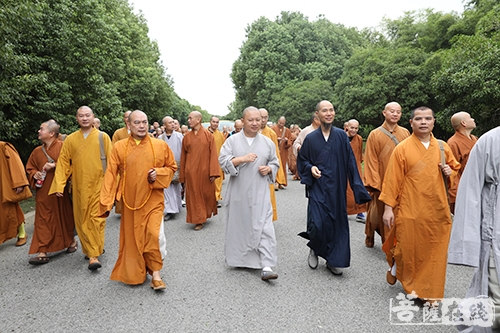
12 182
219 141
54 224
147 166
284 137
461 144
417 244
357 148
267 131
120 134
379 146
83 157
199 169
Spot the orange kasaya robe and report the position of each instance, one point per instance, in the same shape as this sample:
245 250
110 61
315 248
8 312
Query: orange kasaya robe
357 149
143 203
461 146
292 159
219 141
199 162
54 224
283 147
80 157
418 241
120 134
271 135
11 174
378 150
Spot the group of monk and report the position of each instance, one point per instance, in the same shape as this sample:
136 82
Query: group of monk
411 182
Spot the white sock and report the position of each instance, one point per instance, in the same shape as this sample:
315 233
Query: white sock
393 269
267 269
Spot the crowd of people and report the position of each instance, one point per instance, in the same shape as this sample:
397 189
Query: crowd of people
406 187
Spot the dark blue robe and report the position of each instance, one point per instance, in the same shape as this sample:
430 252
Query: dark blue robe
327 222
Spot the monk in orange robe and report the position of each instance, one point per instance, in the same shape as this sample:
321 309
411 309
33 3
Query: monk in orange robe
284 137
120 134
379 147
147 166
12 178
199 169
219 141
357 148
417 244
54 224
266 131
461 144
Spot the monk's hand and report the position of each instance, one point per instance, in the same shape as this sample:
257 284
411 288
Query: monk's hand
37 175
59 194
18 189
212 179
315 172
388 216
445 169
264 170
49 166
151 175
249 158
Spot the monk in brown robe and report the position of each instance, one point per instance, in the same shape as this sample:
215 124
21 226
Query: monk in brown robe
284 137
147 166
219 141
357 148
292 159
12 182
199 169
120 134
461 144
417 244
268 132
54 223
379 146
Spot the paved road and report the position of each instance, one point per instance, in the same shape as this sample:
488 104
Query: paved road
203 294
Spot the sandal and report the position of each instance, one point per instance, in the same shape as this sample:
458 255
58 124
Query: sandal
39 260
72 249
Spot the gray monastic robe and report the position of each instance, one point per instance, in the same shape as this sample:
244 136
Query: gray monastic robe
476 226
172 194
250 239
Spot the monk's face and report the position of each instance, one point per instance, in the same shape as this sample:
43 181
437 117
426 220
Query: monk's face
138 124
238 126
422 123
176 125
251 123
44 132
469 122
214 123
125 117
169 125
326 112
281 123
85 118
264 117
193 120
352 129
392 113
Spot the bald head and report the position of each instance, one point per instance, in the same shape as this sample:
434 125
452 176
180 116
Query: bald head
281 122
264 117
463 122
138 124
169 124
352 128
238 126
85 118
194 120
392 113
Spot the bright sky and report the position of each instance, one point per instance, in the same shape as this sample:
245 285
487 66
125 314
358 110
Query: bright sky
199 40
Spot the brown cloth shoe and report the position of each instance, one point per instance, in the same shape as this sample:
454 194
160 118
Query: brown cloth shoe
22 241
391 279
369 241
198 227
158 285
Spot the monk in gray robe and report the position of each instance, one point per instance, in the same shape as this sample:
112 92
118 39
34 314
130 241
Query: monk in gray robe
250 159
475 234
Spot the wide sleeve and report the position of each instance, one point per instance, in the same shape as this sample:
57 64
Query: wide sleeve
165 173
182 172
16 167
63 169
465 239
358 188
214 163
393 178
226 158
305 163
273 162
109 184
372 172
32 168
452 163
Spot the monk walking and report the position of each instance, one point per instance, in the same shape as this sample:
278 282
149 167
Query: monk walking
120 134
13 182
461 144
357 148
379 146
417 244
284 137
199 169
219 141
83 156
54 223
146 166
